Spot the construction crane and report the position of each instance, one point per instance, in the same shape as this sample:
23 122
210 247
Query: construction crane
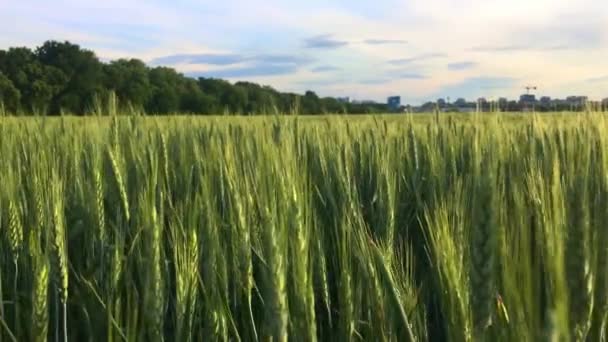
528 88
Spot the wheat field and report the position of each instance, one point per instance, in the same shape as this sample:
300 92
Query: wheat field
488 227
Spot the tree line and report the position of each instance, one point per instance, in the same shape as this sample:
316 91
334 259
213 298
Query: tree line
61 77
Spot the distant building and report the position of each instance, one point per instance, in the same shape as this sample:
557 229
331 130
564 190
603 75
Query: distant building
527 102
577 101
467 109
527 99
576 98
343 99
394 102
460 102
545 100
503 103
461 105
441 103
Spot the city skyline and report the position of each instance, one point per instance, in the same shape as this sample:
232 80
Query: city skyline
524 102
419 50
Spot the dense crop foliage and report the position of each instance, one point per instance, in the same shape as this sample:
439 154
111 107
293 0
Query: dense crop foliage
184 229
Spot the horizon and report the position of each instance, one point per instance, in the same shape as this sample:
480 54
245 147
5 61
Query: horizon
345 49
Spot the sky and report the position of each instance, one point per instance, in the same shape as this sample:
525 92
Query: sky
368 50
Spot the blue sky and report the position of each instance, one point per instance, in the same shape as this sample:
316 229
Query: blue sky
419 49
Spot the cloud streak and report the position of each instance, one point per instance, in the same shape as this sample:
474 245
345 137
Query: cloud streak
477 86
237 66
520 47
602 79
213 59
459 66
324 68
249 71
571 34
230 59
390 77
411 76
423 57
373 81
324 41
385 41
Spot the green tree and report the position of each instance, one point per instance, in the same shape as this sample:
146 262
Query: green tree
333 106
230 98
129 79
289 103
260 99
9 94
36 82
165 97
311 104
62 77
83 72
194 100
